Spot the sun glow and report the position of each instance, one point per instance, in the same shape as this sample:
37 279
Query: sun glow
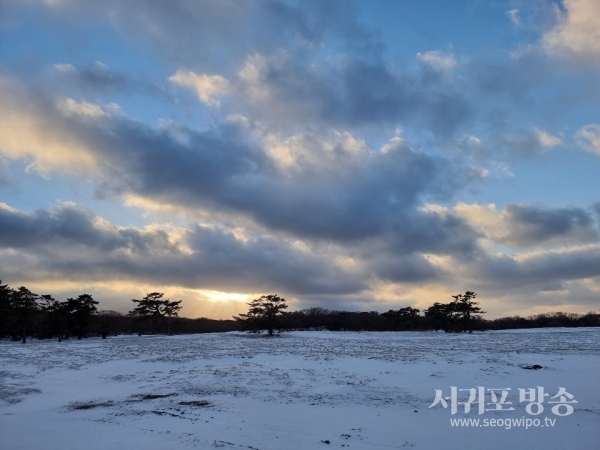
218 296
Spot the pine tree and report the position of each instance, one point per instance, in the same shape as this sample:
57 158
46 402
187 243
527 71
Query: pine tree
153 308
23 307
442 315
107 321
467 308
264 313
403 318
56 318
5 316
80 312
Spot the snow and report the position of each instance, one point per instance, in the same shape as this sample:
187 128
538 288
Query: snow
296 391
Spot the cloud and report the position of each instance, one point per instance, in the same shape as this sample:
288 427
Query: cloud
188 32
90 81
73 244
529 143
70 246
501 170
513 15
226 169
433 231
438 60
577 32
588 138
284 90
97 77
33 127
66 225
290 180
305 84
208 87
538 268
531 226
526 226
85 110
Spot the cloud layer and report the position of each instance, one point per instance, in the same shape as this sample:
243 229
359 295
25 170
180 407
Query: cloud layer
294 147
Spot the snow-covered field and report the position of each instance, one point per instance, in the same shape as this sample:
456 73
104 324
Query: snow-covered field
303 390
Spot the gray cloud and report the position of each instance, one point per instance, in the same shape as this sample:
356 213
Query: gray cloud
530 226
226 169
309 87
71 244
94 80
286 90
95 77
402 268
219 169
539 269
434 233
68 226
526 143
309 76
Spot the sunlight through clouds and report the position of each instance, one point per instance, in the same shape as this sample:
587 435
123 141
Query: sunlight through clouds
221 150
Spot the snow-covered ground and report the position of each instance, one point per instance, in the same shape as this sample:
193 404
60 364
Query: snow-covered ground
303 390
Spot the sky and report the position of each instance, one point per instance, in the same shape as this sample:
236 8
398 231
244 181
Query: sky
349 155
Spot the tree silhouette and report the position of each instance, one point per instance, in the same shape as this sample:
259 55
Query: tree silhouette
153 308
441 315
23 306
5 310
107 321
57 316
80 311
264 313
403 318
467 308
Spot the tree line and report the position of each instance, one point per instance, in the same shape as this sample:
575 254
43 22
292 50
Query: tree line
25 314
268 313
462 314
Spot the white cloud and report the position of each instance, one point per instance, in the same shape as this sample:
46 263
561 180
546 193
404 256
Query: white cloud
473 140
64 68
588 137
208 87
72 108
393 144
577 32
309 151
513 15
29 134
502 170
438 60
546 140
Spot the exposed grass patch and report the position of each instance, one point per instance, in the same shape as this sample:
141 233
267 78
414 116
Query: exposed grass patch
12 394
199 403
83 406
532 367
152 396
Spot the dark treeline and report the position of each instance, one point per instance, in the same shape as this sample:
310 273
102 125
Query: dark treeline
318 318
25 314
